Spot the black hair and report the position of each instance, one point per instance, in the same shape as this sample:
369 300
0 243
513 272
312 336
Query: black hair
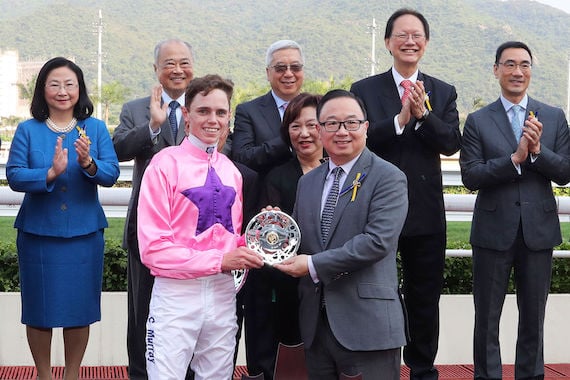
39 108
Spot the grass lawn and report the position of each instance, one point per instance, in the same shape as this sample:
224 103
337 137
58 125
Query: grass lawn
8 232
456 231
459 231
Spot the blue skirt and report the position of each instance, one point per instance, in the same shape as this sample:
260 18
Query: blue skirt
60 279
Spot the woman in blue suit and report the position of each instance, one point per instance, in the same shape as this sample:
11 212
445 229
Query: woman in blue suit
58 159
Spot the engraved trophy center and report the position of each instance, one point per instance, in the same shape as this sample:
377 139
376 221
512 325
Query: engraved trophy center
274 235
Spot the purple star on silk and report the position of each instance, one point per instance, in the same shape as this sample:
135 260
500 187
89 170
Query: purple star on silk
214 201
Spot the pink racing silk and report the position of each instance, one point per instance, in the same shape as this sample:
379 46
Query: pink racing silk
189 212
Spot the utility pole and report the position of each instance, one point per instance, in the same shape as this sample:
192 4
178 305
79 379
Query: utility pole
99 60
373 53
568 92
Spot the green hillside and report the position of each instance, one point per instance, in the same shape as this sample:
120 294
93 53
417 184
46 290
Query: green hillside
230 37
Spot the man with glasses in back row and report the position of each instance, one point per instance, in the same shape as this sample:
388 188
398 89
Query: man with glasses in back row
512 150
270 298
411 131
147 125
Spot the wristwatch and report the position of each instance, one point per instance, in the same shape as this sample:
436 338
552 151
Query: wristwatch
91 163
424 115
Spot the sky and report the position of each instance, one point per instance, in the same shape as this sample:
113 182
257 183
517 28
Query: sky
560 4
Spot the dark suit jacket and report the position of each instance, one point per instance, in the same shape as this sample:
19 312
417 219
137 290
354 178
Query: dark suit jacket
415 152
357 265
251 193
132 142
507 199
256 140
280 185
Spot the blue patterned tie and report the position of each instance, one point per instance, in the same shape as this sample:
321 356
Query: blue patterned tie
172 118
330 204
516 123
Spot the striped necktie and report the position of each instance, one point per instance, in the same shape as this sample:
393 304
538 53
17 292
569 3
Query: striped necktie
330 204
172 118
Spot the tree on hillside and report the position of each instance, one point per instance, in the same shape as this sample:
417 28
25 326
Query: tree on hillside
27 89
478 103
111 93
323 86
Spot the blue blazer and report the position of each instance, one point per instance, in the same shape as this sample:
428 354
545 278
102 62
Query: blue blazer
69 206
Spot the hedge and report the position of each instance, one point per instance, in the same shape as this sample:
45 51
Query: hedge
457 276
114 270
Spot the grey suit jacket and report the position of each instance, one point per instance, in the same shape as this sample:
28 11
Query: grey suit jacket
506 199
256 140
132 142
357 265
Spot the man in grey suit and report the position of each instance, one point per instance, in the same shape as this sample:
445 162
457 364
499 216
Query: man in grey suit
515 220
351 316
144 129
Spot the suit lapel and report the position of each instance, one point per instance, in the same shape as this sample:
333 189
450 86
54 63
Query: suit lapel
502 123
181 132
269 110
388 96
533 106
315 198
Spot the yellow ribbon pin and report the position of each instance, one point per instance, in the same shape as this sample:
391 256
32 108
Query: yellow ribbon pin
82 133
428 104
355 185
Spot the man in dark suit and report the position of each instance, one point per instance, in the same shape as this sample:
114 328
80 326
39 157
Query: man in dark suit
257 143
412 136
256 139
351 316
515 220
144 130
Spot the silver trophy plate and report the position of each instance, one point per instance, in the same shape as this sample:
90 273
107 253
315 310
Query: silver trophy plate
273 234
239 278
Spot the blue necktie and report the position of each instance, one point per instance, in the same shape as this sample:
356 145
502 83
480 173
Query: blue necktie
330 204
516 123
172 118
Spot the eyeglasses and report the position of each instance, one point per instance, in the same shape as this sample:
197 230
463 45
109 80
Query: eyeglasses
510 66
349 125
55 87
171 65
295 68
311 125
416 37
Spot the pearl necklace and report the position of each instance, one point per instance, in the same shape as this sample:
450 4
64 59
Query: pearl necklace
53 126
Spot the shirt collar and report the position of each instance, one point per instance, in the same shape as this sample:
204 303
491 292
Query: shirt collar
347 167
200 144
398 78
278 100
167 99
508 105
